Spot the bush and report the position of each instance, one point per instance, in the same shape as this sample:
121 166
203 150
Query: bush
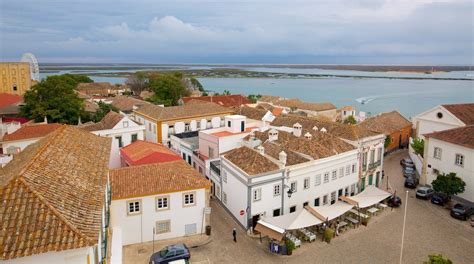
328 235
290 246
418 146
350 120
437 259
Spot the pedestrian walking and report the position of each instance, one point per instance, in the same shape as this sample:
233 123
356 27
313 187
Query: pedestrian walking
234 234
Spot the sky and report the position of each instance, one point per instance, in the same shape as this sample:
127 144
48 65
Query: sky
255 31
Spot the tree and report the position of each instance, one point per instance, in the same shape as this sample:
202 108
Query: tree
55 99
388 141
350 120
226 92
103 110
418 146
448 184
168 89
138 82
437 259
254 97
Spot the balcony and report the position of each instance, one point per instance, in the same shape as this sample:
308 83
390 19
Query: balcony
216 167
374 165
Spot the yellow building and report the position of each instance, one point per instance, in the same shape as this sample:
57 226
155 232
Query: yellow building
15 77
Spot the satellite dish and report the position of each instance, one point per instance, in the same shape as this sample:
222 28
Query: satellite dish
34 68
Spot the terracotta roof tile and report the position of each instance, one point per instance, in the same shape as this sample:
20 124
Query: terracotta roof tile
144 152
250 161
31 131
150 179
463 136
52 194
109 121
126 103
386 123
464 112
234 100
297 103
9 99
192 108
252 113
101 88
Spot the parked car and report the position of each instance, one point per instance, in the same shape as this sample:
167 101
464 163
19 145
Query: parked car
408 171
170 253
424 192
439 198
394 201
407 162
461 211
411 182
471 220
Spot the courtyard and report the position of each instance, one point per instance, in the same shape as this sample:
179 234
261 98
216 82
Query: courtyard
429 230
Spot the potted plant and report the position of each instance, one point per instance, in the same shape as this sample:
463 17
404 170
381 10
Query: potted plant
289 246
365 220
328 235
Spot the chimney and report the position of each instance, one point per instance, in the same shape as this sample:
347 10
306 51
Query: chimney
261 150
308 135
297 128
324 130
315 128
282 157
272 135
45 120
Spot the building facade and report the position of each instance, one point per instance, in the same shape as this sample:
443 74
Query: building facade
15 77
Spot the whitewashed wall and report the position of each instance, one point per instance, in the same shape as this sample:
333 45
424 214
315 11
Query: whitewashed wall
73 256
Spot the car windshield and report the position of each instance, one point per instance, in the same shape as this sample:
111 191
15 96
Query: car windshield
163 252
459 206
409 169
422 191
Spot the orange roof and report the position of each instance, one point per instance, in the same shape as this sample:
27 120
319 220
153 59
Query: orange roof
9 99
233 100
154 179
277 111
144 152
228 133
347 108
31 131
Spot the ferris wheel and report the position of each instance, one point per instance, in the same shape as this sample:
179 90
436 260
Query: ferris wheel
34 68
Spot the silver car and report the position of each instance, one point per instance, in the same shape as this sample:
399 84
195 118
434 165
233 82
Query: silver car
424 192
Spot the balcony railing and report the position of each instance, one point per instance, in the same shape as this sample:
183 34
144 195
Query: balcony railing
374 165
215 167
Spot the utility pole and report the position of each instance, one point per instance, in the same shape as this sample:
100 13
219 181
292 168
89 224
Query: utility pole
403 230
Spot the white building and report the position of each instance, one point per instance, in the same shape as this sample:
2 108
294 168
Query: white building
347 111
121 128
448 151
69 222
443 117
255 179
158 201
21 138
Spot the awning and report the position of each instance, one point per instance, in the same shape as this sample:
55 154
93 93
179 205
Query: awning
294 220
370 196
269 230
330 212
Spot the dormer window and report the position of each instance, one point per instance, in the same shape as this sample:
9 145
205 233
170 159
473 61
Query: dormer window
308 136
125 124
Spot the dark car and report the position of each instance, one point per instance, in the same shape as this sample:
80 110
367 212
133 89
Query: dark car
408 171
439 198
411 182
407 162
394 201
424 192
170 253
461 211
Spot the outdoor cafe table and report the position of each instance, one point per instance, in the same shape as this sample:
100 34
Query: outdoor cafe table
372 210
352 220
342 224
357 213
383 206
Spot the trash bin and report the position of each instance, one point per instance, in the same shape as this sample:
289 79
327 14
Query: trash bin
208 230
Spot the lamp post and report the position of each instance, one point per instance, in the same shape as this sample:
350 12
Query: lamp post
290 190
403 229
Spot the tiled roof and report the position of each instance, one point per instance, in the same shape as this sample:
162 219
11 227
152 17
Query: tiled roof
463 136
277 111
144 152
52 194
347 108
386 123
126 103
250 161
191 109
345 131
270 99
151 179
101 88
31 131
297 103
109 121
9 99
464 112
90 107
251 112
233 100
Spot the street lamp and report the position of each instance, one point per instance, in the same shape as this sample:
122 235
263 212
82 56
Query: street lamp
290 190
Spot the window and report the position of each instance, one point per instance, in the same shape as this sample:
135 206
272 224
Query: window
354 168
257 194
326 177
325 199
341 172
186 127
134 207
134 137
184 155
348 170
372 156
346 191
459 160
224 197
333 197
224 176
14 87
353 189
229 124
334 175
162 202
276 212
316 202
276 189
119 139
364 161
189 159
317 180
163 227
125 123
293 209
437 153
189 199
305 204
211 152
149 127
154 128
379 155
293 186
218 191
306 183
